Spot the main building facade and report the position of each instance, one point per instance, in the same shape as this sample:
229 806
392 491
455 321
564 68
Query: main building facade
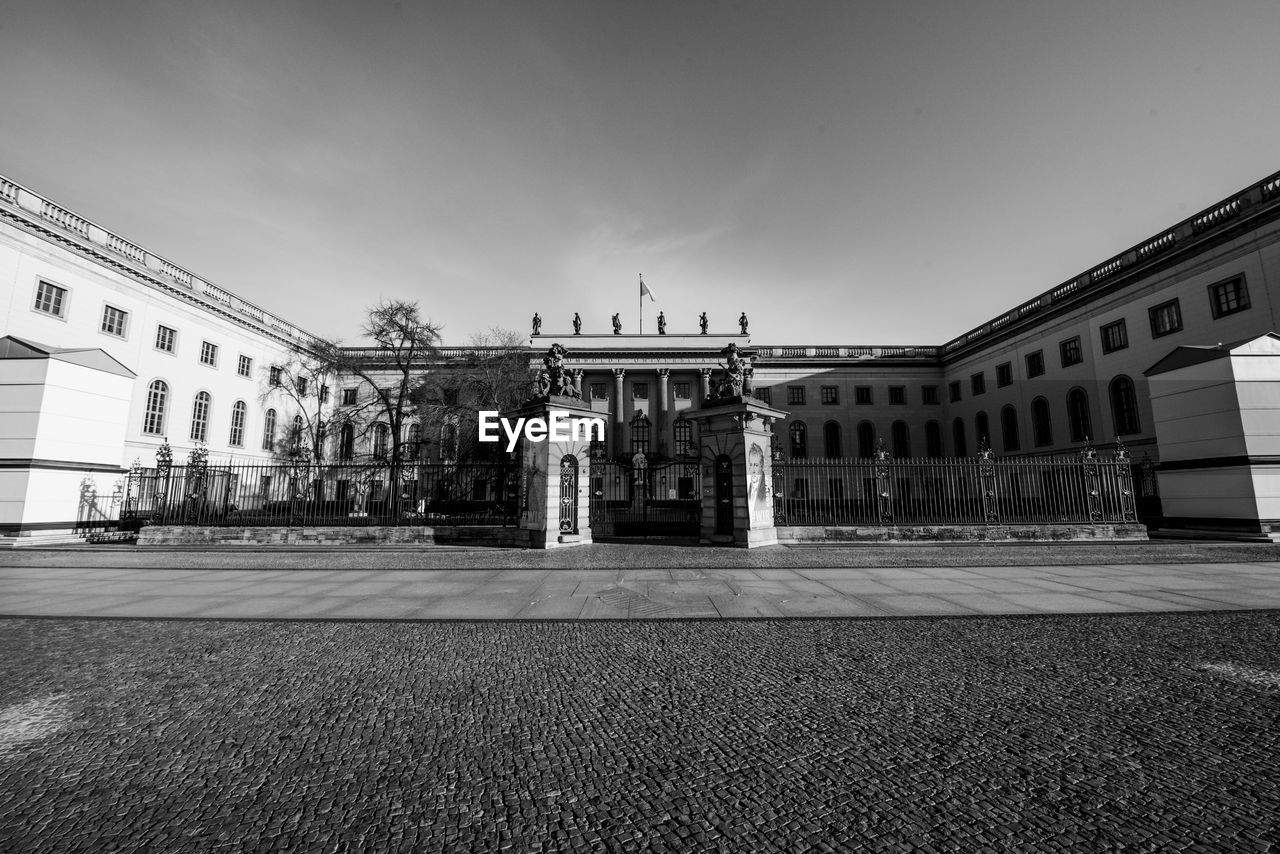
1063 369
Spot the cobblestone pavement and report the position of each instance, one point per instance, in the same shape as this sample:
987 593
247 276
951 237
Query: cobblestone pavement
1135 733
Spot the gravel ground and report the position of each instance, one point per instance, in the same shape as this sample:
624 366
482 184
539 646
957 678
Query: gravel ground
645 555
1076 733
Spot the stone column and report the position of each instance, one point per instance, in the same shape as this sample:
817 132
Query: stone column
663 428
619 418
736 438
705 374
576 373
541 473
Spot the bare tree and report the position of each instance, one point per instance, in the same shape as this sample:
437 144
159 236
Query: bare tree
395 369
492 373
303 378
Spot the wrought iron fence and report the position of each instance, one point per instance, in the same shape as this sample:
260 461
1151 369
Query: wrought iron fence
982 490
304 493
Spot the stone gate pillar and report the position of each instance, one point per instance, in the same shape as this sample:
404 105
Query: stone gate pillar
736 444
555 471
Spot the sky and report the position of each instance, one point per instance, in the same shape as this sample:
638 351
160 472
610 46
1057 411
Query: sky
844 172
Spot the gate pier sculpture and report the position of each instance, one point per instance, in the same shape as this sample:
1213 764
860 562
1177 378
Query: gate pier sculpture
736 451
555 466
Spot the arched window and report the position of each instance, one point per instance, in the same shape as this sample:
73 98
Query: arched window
933 439
381 440
683 430
831 439
1124 406
157 397
415 441
640 434
238 413
1078 415
347 442
866 440
200 417
957 438
982 430
1041 425
1009 428
901 439
449 442
297 435
799 450
269 430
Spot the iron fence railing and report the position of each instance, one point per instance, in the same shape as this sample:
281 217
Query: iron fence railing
235 494
982 490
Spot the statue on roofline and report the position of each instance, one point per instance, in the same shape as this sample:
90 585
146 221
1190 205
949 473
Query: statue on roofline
702 322
617 325
537 324
577 324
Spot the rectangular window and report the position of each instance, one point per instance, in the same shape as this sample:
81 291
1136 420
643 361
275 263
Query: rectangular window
831 395
682 391
953 391
275 376
599 391
1004 375
208 354
51 299
898 395
929 396
1070 352
795 395
245 368
301 385
1035 364
114 320
764 395
166 338
1228 297
639 391
1114 336
862 395
979 383
324 394
1166 318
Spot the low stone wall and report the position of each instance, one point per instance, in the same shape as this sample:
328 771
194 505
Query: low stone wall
963 533
191 535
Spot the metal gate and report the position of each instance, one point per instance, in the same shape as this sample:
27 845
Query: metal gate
645 499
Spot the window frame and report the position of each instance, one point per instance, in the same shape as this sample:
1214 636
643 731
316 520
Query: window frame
123 334
1004 374
1075 344
929 396
1035 369
239 420
1156 311
160 412
64 300
955 391
829 395
677 386
1245 304
795 395
900 393
244 366
978 383
204 347
1108 345
206 417
173 340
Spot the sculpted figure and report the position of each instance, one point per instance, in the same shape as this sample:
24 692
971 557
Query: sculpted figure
742 321
577 324
702 322
537 323
662 324
617 325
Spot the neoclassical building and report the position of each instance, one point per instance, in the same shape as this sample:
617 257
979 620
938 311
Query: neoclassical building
191 358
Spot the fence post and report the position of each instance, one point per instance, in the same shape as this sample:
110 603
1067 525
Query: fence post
884 484
1093 492
779 488
1128 504
987 483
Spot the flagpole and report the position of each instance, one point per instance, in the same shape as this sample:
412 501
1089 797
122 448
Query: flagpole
642 303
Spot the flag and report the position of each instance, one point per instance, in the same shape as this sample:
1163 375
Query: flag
644 289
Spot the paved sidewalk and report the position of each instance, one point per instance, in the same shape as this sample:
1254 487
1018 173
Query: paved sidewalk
231 584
